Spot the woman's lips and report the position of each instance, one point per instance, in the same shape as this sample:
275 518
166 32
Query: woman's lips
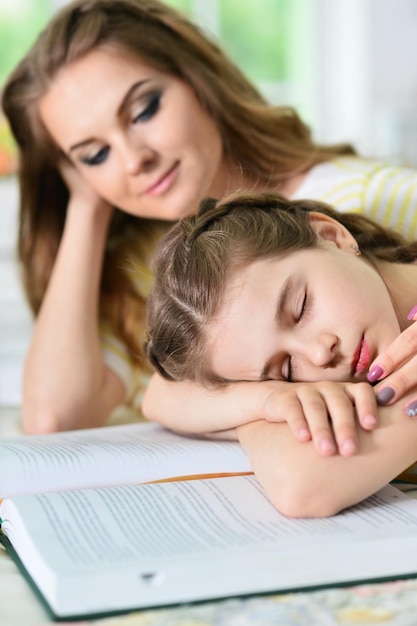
361 358
162 184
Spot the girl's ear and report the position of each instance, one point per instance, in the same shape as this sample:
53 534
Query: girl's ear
330 229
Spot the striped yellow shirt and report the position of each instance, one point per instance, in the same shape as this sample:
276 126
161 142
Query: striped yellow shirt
386 193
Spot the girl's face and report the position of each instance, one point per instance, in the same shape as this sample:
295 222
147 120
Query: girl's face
316 314
139 137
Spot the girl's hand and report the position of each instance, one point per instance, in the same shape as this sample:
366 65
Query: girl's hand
325 412
398 367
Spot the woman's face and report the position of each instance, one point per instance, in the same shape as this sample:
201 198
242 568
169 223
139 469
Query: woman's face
316 314
139 137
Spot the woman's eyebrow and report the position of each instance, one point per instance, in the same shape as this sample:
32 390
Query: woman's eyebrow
128 95
130 92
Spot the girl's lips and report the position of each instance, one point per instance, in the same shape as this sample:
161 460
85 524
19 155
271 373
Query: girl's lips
362 358
163 183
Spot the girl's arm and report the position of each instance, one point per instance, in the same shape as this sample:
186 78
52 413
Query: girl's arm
300 483
306 407
66 383
188 408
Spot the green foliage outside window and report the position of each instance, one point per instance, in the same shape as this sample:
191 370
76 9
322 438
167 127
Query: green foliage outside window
182 5
20 23
257 34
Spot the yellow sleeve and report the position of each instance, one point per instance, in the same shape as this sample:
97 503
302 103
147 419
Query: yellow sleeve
385 193
390 198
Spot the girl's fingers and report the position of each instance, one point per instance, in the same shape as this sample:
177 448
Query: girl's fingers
364 399
316 409
291 411
343 419
299 426
305 412
325 412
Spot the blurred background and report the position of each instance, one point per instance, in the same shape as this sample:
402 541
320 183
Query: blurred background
348 66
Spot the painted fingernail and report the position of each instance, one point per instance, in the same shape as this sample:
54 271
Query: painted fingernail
385 395
374 373
412 313
411 409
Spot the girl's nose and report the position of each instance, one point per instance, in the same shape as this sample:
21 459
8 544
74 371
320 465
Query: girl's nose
321 349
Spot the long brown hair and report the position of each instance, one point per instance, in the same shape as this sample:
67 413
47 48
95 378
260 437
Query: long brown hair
195 259
270 144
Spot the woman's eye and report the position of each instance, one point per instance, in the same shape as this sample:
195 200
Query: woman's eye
150 110
96 159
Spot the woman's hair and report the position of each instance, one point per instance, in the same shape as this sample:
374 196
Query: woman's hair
269 144
199 255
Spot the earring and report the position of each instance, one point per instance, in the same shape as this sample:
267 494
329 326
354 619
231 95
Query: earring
356 249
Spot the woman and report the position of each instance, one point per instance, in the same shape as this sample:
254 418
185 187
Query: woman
258 288
126 116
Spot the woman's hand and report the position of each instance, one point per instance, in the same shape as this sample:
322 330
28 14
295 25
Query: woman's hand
81 193
397 366
325 412
67 384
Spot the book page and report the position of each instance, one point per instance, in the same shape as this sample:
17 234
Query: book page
225 530
164 532
110 456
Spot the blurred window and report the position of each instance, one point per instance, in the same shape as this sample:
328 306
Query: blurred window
20 23
258 34
261 36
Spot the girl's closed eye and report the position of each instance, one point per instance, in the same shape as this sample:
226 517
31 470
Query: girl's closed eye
151 108
287 370
305 307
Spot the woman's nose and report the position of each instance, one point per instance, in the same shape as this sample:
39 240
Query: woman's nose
139 159
321 349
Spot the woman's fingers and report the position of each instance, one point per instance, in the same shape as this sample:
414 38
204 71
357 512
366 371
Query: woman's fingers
411 408
397 384
398 352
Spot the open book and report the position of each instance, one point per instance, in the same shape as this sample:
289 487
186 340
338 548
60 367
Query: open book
104 550
108 456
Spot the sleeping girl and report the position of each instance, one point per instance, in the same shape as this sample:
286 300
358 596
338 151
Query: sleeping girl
256 287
